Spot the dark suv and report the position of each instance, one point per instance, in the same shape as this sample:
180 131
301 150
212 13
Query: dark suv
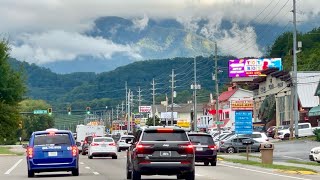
161 151
86 144
205 148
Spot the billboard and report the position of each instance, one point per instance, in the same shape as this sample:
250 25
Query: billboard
144 109
242 105
252 67
243 122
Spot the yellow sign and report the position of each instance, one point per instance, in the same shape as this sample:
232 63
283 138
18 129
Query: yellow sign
137 121
184 124
242 105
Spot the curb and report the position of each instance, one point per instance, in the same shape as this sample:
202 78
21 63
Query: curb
298 172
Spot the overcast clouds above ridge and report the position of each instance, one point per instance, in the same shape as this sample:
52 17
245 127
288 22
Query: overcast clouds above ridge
30 18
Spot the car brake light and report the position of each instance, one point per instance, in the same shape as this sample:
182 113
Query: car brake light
30 152
212 147
144 162
164 130
94 144
52 133
188 148
143 148
185 162
74 150
112 144
85 142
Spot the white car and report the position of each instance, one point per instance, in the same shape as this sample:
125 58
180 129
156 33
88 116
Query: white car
257 136
315 154
102 147
122 144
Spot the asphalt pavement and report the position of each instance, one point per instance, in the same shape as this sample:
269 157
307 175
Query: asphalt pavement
15 168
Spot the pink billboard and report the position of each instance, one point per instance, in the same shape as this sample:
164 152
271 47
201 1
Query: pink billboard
252 67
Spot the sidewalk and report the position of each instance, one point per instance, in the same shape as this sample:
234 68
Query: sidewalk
237 156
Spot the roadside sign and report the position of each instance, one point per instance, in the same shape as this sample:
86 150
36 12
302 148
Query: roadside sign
40 112
108 130
144 108
243 122
219 122
185 124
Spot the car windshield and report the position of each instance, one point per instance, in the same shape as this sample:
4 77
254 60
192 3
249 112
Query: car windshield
202 139
172 136
102 140
48 139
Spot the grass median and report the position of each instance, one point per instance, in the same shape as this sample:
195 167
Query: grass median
270 166
7 151
304 162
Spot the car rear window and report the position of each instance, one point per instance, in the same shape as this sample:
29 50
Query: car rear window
165 136
201 139
102 140
48 139
124 138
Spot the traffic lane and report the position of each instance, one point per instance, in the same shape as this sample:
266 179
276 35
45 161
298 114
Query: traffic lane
115 169
296 150
19 171
6 162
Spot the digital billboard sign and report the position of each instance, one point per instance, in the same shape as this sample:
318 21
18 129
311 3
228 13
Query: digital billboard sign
252 67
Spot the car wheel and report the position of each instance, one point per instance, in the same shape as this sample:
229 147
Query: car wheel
190 176
230 150
114 157
90 157
30 173
206 163
136 175
213 163
75 172
119 150
129 174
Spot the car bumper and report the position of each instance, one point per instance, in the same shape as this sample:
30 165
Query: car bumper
164 168
205 158
50 167
316 157
311 157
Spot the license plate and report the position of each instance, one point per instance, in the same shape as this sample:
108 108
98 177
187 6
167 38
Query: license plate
199 149
52 154
103 145
165 153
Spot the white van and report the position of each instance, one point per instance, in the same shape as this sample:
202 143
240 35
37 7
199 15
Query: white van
304 129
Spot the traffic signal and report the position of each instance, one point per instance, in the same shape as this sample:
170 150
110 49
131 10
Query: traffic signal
88 110
69 110
50 111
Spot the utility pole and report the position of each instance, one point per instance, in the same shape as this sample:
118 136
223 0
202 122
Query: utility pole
126 86
153 101
295 68
195 95
172 94
112 114
217 84
128 111
122 109
118 107
139 101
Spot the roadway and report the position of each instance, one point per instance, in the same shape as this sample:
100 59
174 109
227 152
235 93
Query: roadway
15 168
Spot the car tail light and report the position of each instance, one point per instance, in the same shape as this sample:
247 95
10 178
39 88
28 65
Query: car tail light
85 142
144 162
94 144
74 150
212 147
185 162
112 144
187 148
30 152
164 130
143 148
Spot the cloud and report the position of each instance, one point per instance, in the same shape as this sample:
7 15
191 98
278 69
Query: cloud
141 23
41 48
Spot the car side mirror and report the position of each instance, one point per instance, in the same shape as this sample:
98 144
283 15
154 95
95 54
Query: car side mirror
78 143
25 146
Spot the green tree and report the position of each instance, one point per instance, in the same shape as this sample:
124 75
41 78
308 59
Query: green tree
12 90
34 122
150 121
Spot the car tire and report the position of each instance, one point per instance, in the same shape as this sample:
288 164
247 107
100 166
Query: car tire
114 157
136 175
90 157
206 163
213 163
190 176
75 172
129 174
119 150
230 150
30 173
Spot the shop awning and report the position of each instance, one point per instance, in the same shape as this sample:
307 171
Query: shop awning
315 111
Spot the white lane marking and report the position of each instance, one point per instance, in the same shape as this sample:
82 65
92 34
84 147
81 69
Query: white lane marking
87 167
81 163
263 172
96 173
13 167
294 158
198 175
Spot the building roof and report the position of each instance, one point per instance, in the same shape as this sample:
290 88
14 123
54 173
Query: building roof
226 95
307 86
181 108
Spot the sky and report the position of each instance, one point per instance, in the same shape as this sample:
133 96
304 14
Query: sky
42 31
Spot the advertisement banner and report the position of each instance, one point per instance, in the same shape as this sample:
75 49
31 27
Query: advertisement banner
144 109
242 105
252 67
243 122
